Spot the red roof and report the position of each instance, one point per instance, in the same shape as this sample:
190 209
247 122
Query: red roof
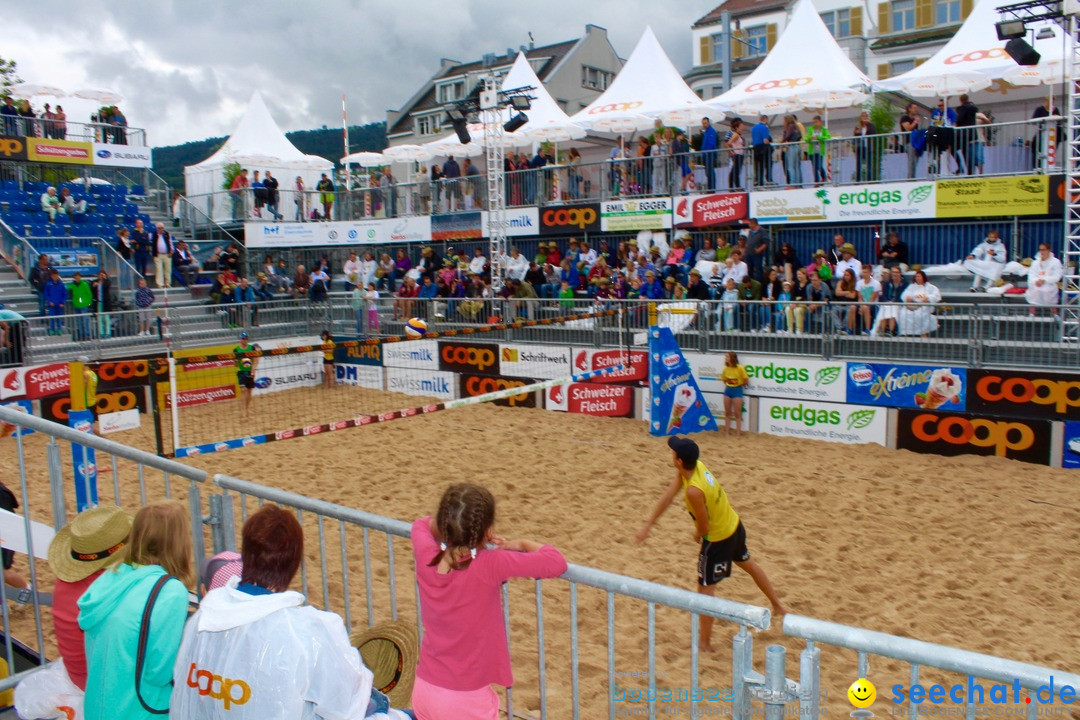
740 7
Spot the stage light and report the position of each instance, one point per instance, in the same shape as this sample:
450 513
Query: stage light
1045 33
520 102
515 122
1010 29
1019 50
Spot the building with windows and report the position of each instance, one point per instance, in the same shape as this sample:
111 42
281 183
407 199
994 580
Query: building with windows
882 37
575 72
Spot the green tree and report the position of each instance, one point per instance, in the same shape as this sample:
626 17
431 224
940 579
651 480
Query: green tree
8 76
231 170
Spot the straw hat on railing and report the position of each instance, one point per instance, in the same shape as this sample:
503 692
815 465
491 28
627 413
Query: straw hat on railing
389 650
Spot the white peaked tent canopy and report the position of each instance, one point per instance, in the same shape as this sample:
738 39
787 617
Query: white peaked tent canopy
259 144
974 58
786 81
547 121
648 87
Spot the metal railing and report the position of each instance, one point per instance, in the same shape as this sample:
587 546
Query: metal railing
122 273
127 477
78 131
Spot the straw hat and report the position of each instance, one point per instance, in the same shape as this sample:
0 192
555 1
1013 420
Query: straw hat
389 651
847 248
89 542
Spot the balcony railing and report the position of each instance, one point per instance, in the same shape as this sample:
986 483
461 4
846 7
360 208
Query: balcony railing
70 130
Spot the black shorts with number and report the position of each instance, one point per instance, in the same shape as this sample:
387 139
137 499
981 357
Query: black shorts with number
716 556
246 380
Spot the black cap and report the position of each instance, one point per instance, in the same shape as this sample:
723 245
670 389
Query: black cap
685 449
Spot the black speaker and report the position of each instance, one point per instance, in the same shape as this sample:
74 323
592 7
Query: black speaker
515 122
461 127
1020 51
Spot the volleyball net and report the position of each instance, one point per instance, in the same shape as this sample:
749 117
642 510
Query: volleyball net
239 395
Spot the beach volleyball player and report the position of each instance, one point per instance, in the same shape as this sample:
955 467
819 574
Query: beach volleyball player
716 525
245 371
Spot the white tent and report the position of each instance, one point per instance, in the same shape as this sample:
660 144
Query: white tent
648 87
785 81
974 58
259 144
547 121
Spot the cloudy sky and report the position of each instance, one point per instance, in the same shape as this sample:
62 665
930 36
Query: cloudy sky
186 68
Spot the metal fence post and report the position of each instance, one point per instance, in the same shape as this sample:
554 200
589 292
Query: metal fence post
810 682
56 484
222 526
197 520
775 682
742 658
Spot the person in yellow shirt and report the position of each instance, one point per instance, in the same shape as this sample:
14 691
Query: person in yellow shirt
716 526
735 379
329 373
89 386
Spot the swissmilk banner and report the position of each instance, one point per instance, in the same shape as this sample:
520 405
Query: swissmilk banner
677 405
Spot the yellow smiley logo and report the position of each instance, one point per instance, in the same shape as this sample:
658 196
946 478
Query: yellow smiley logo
862 693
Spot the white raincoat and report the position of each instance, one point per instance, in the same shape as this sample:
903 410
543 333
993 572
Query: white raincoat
988 260
1050 272
256 657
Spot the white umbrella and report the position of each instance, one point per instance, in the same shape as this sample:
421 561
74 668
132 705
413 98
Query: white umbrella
315 163
106 97
408 153
26 90
366 159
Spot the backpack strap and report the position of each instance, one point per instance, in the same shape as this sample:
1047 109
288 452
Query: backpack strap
144 634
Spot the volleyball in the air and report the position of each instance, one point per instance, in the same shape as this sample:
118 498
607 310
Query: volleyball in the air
245 364
416 327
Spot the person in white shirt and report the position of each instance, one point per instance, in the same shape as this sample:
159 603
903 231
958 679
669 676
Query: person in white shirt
516 265
163 250
987 261
351 268
587 255
848 260
869 289
367 269
1043 277
736 269
476 265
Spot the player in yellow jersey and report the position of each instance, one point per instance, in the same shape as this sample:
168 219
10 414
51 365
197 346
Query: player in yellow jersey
90 383
329 373
716 525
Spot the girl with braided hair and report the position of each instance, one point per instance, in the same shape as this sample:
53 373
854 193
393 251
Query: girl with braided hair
461 565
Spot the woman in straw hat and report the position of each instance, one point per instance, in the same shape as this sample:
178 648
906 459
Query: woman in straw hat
133 616
254 646
78 554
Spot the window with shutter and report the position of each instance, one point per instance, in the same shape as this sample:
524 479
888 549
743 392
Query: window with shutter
770 36
882 71
856 21
883 24
924 13
919 61
738 49
706 50
965 7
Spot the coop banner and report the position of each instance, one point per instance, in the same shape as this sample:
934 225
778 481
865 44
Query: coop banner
539 361
469 357
831 422
477 385
591 399
635 364
677 403
776 376
130 373
883 201
57 408
1026 394
907 386
964 434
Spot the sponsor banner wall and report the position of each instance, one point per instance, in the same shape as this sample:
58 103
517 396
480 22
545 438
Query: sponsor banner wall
644 214
993 196
117 421
360 355
636 361
572 220
129 373
34 382
591 399
1012 393
1070 456
776 376
12 148
359 376
908 386
539 361
965 434
271 235
476 385
413 228
710 210
469 357
460 226
519 222
832 422
430 383
122 155
882 201
198 396
58 407
417 354
287 372
715 401
59 151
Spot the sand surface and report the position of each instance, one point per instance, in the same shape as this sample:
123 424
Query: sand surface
977 553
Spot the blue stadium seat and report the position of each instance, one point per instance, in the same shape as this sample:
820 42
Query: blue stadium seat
138 191
10 186
38 229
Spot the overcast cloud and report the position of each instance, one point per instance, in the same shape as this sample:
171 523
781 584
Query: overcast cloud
186 68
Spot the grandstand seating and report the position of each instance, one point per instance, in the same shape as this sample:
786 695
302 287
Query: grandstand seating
108 207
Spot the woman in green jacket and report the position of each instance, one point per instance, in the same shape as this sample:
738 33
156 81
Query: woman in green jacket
816 137
111 613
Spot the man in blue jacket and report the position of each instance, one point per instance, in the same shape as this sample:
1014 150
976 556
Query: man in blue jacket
55 300
761 140
709 144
